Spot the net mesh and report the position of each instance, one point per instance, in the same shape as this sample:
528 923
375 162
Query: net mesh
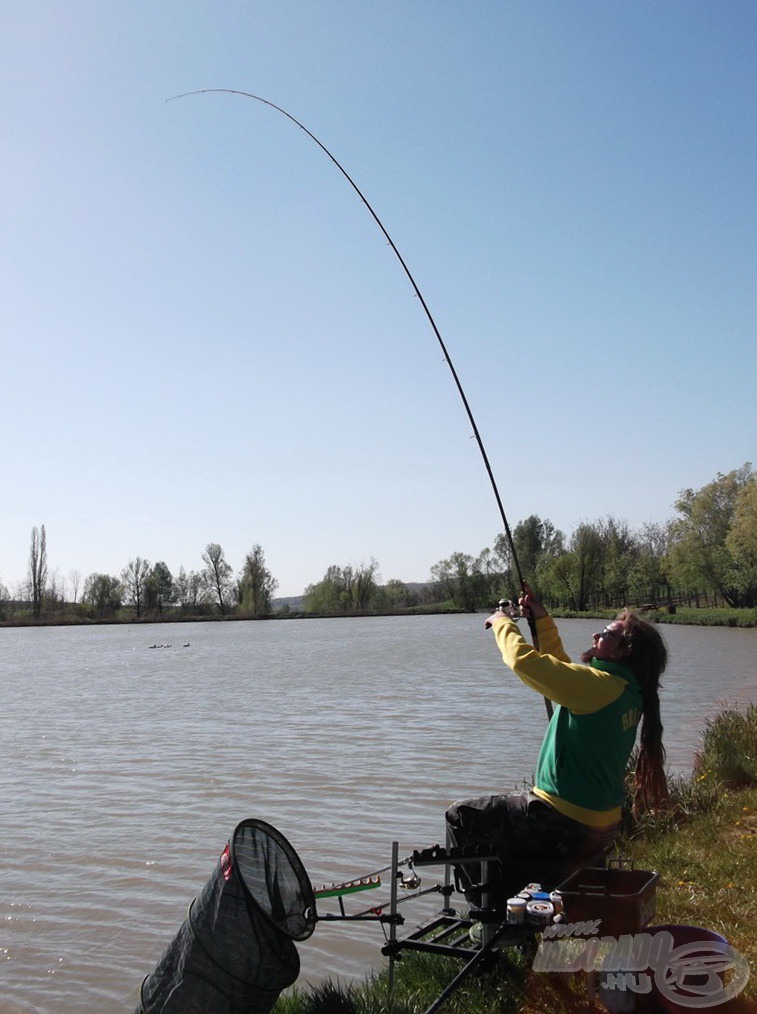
234 953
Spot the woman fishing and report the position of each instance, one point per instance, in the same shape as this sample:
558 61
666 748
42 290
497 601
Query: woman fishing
573 809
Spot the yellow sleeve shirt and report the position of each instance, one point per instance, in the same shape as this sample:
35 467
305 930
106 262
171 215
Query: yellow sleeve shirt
550 671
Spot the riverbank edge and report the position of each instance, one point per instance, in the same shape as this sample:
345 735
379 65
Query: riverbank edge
683 616
701 883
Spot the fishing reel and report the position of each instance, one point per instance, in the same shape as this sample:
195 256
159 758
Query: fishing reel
409 881
506 604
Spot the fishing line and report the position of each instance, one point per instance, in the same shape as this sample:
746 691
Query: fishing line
419 294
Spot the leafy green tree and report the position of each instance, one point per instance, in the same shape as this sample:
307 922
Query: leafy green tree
576 575
741 540
364 584
619 552
527 539
343 590
395 594
256 585
537 544
700 556
217 576
159 588
504 566
486 567
328 596
648 578
103 593
559 581
460 580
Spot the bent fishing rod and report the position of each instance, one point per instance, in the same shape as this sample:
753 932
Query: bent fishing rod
419 294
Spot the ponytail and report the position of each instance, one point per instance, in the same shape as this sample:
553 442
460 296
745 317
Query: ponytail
647 657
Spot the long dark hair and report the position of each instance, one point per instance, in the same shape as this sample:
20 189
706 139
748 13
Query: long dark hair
647 656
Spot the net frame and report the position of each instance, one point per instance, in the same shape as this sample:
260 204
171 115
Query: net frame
274 877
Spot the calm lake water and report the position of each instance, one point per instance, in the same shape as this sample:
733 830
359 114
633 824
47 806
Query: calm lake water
127 765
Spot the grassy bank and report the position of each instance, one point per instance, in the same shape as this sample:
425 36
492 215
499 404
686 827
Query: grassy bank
80 616
687 616
706 617
704 847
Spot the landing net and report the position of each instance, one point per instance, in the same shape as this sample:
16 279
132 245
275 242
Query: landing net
234 953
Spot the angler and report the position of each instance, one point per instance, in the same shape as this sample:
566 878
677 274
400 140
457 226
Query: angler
572 813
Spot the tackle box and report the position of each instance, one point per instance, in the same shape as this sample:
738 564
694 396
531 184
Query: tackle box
623 899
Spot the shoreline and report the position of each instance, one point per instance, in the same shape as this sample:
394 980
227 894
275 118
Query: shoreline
681 616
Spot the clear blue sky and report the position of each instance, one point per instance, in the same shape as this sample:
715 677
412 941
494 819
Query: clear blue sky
205 338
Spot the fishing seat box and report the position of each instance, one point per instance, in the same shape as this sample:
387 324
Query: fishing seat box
624 900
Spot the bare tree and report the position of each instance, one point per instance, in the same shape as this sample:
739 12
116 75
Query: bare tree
38 568
55 594
217 574
133 581
189 591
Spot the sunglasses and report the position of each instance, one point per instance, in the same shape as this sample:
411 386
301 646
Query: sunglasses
609 632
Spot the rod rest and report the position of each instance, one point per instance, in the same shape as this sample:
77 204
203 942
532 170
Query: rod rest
436 855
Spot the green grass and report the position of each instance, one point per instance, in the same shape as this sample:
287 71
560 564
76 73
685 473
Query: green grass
708 872
708 617
703 617
729 749
419 980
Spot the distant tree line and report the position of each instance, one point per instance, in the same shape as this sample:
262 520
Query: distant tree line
147 591
706 555
350 590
